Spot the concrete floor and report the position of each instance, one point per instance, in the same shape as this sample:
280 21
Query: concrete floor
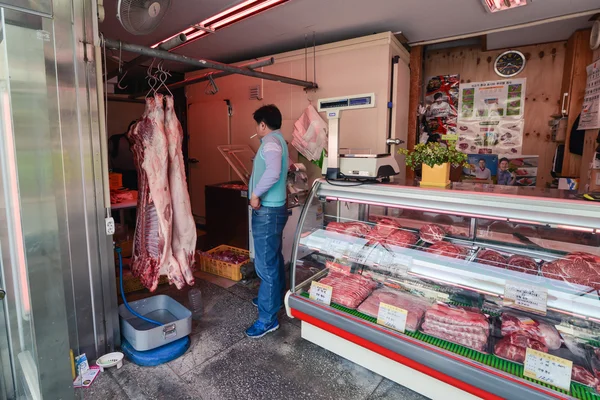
223 364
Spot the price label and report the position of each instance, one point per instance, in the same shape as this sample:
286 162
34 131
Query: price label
392 317
320 292
359 253
526 297
548 369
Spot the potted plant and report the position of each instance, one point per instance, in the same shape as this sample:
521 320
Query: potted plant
435 161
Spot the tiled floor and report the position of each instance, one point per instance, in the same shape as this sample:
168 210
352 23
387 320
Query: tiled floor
223 364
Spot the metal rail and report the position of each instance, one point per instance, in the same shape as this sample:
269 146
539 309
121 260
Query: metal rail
202 78
202 63
168 46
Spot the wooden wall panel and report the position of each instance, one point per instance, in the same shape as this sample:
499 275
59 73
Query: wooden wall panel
544 72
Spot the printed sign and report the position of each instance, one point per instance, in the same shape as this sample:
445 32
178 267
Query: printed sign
320 293
491 117
590 113
392 317
526 297
548 369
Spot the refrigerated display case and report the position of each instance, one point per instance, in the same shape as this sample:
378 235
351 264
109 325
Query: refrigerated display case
471 292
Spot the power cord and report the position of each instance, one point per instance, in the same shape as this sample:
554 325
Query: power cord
118 250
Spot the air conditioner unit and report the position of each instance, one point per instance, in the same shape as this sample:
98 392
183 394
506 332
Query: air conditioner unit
502 5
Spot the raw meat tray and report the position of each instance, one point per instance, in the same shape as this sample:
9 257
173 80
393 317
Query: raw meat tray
472 249
577 391
502 250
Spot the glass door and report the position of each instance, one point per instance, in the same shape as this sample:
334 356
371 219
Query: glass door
34 336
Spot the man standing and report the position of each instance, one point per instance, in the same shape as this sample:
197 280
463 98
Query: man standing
269 215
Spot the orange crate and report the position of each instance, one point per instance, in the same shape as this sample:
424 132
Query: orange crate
222 268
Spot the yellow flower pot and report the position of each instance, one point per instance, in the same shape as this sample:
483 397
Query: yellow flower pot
436 176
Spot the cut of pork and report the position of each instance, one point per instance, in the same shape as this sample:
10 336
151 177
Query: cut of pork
152 254
184 227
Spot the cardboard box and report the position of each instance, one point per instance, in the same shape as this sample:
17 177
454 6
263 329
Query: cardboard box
568 183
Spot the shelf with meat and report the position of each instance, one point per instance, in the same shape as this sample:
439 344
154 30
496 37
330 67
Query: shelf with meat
447 258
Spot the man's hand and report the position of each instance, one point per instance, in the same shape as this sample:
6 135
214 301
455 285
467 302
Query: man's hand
255 202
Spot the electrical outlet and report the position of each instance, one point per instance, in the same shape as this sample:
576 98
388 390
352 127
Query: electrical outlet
110 226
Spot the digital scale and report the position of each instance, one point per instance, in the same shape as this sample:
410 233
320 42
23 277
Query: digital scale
352 166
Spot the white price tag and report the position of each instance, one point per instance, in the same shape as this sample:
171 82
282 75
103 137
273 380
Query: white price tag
548 369
526 297
320 292
392 317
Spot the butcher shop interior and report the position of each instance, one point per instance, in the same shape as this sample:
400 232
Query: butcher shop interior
296 198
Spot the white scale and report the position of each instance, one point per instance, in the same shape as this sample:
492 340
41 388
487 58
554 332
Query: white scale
353 166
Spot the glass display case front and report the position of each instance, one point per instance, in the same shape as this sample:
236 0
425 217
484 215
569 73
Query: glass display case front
463 272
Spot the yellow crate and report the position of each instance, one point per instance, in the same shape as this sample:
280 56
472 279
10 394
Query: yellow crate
222 268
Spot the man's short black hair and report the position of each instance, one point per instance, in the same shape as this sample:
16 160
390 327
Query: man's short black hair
503 159
482 159
437 96
270 115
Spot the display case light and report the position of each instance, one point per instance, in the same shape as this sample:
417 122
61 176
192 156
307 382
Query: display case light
503 5
230 16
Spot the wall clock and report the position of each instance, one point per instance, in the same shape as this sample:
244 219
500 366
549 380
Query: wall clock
509 63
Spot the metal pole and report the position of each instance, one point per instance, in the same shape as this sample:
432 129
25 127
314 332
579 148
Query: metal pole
174 42
201 63
203 78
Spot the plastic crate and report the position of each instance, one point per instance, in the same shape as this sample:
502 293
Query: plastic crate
222 268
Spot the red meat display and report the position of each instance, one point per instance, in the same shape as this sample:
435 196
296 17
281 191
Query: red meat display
491 257
402 238
349 290
583 376
382 230
413 305
448 249
579 268
463 326
537 330
358 229
514 347
432 233
522 264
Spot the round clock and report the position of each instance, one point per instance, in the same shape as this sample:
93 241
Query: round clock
509 63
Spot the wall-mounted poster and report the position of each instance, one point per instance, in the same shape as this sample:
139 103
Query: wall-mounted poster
590 113
490 119
441 101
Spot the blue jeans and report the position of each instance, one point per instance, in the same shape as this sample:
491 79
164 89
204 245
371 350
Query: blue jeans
267 232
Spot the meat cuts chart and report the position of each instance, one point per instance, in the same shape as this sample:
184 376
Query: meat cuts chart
165 232
491 117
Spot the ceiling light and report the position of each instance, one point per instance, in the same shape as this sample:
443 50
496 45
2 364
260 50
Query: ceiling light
502 5
225 18
245 13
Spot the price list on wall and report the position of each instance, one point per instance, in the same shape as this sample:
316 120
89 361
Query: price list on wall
548 369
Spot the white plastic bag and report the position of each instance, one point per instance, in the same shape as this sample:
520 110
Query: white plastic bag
310 134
